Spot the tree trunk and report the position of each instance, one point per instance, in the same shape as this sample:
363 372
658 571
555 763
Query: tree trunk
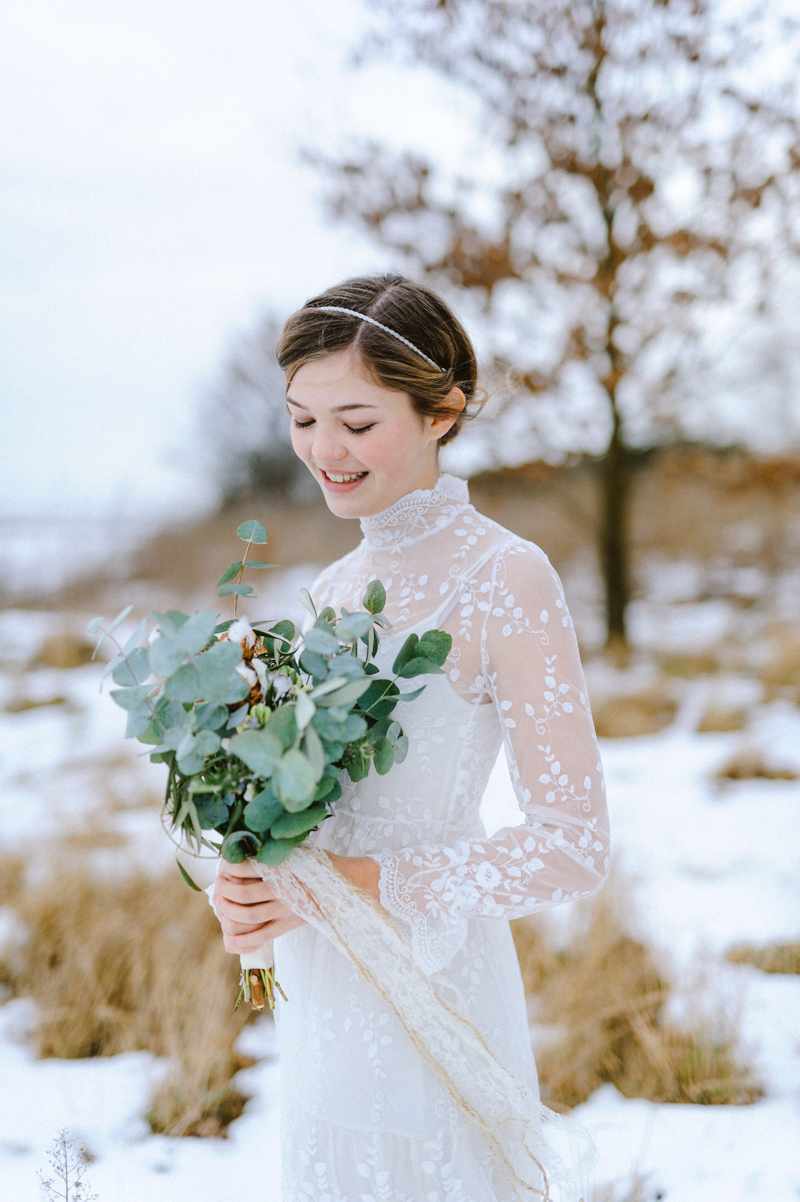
614 537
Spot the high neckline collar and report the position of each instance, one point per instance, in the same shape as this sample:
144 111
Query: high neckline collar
418 514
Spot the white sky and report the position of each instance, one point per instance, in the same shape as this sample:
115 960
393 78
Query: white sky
151 204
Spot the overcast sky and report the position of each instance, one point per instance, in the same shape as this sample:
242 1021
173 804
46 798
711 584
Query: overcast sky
152 204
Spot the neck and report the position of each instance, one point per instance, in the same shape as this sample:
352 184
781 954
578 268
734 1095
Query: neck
417 515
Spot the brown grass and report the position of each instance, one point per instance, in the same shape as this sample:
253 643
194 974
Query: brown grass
772 957
116 965
606 997
751 765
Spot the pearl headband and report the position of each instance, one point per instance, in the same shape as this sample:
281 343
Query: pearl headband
386 330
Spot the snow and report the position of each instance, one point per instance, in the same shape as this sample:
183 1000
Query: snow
705 865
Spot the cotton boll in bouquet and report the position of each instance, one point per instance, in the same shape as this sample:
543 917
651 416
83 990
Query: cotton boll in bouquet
256 723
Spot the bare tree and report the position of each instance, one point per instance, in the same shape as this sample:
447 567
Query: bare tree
243 426
630 215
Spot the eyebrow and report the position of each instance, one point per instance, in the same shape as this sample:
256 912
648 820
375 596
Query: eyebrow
338 409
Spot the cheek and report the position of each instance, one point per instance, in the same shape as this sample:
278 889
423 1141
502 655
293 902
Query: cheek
394 446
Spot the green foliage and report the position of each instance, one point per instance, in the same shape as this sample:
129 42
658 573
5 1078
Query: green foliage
249 773
252 532
229 573
375 597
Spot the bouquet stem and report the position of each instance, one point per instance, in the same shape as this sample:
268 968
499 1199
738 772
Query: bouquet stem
258 981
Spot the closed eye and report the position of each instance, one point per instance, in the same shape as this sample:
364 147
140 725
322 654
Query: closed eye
353 429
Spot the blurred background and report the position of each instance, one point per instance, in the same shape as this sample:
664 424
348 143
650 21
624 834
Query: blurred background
608 193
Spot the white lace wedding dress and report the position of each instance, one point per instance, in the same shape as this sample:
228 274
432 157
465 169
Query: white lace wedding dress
407 1073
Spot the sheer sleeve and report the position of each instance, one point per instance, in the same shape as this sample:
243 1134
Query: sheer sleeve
527 662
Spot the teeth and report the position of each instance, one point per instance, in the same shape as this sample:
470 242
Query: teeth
339 479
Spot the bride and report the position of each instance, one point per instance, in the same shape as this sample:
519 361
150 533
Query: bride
406 1062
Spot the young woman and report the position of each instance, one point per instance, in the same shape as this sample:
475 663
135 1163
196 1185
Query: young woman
406 1064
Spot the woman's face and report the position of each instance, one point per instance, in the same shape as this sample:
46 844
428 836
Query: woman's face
364 444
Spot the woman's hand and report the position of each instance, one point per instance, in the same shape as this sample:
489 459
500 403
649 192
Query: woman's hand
361 871
248 911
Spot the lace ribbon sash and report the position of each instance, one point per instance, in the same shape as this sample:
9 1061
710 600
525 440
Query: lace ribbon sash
511 1120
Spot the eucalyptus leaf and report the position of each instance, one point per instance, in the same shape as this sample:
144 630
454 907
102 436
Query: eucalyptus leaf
111 665
238 716
229 573
315 751
261 750
131 699
406 652
261 812
328 686
134 668
383 756
283 632
237 689
211 810
305 599
238 846
185 684
170 622
355 626
348 693
435 645
252 532
259 563
136 637
196 631
241 590
283 724
321 640
166 655
295 781
328 615
226 654
211 716
313 663
207 742
375 597
94 625
324 788
304 710
138 722
289 825
121 616
412 696
400 749
419 667
275 851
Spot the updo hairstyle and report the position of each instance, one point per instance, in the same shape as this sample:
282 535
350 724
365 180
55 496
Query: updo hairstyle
410 309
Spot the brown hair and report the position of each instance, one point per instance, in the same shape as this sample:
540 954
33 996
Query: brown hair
409 309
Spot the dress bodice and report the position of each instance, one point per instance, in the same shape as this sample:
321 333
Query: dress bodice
513 677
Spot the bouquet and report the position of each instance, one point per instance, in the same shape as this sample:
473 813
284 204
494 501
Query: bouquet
257 724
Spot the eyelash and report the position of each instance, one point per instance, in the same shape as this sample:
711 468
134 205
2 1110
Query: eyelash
353 430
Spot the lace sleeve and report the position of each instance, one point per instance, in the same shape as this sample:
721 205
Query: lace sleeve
530 667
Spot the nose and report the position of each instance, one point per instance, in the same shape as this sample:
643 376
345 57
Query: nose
327 448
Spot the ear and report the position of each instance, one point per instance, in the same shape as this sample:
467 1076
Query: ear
439 426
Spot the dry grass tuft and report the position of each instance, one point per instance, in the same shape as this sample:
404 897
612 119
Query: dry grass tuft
629 717
605 999
751 765
718 720
116 965
773 957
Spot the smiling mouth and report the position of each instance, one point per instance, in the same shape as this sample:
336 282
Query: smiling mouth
343 477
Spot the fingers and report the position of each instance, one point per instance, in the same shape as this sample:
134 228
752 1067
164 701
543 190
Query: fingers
257 913
245 893
246 870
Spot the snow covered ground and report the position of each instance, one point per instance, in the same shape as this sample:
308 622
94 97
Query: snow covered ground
706 866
